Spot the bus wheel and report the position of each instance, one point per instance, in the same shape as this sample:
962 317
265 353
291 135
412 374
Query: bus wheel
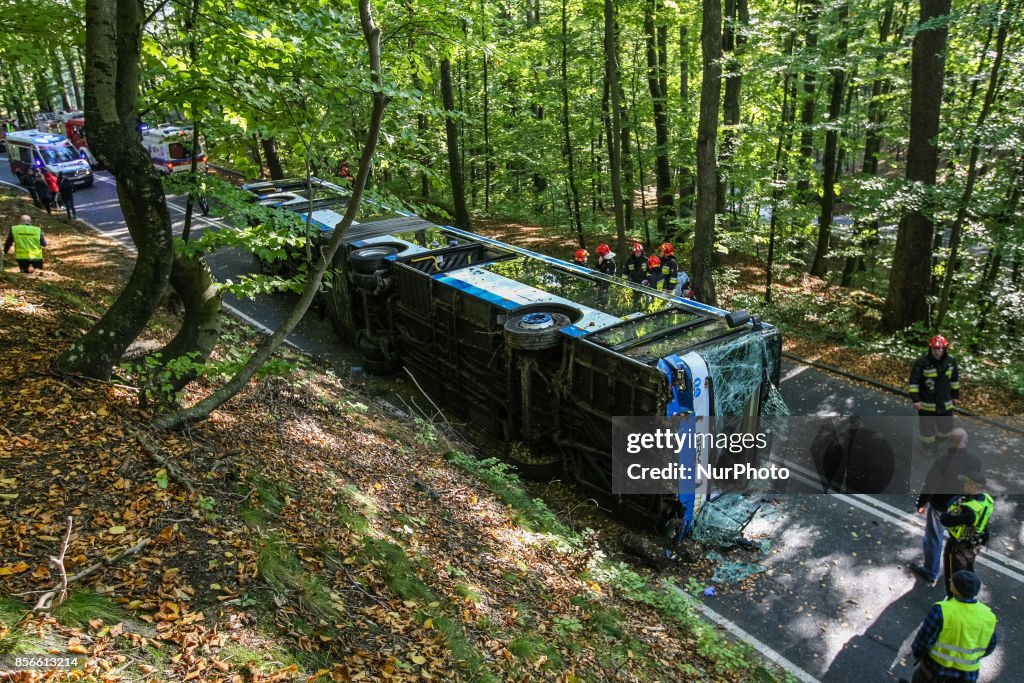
368 260
534 331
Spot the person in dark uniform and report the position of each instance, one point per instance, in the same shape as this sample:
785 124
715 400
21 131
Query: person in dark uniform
967 521
636 265
669 269
934 389
67 194
941 486
581 257
653 272
606 265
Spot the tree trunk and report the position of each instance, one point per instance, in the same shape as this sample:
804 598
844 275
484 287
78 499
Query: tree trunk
828 194
807 115
202 410
487 128
736 14
872 138
273 158
574 193
452 135
613 119
702 262
956 230
113 44
58 77
910 279
656 83
73 74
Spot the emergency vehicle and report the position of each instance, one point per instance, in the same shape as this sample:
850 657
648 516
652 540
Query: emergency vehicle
170 148
33 148
74 128
537 350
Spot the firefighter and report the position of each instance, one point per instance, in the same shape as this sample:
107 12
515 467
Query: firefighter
653 272
967 521
669 269
934 389
605 259
28 244
581 257
606 265
957 633
636 265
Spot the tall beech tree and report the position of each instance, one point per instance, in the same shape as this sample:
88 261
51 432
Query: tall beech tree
112 48
910 277
703 257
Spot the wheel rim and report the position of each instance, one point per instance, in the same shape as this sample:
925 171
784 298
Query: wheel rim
536 321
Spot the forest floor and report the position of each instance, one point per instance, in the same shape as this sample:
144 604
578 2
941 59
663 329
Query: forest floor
302 533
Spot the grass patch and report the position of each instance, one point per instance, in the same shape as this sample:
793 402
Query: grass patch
11 610
271 493
254 518
501 478
530 648
257 658
600 618
284 573
81 607
354 508
399 573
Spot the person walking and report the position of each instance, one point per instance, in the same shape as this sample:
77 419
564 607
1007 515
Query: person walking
67 194
967 521
28 242
955 635
42 190
941 486
934 389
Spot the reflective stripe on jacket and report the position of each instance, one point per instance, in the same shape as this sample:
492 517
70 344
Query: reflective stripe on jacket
28 242
967 629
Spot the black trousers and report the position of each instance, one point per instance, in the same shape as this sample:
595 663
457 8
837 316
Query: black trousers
956 556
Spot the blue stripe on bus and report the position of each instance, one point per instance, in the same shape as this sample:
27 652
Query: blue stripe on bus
574 331
473 290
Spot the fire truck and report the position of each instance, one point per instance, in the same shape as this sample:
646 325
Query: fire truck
535 350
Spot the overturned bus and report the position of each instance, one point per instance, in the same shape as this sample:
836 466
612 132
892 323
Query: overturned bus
534 349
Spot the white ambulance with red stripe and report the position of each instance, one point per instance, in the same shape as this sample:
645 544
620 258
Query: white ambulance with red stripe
170 148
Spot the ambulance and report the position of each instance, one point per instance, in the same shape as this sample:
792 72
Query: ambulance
170 148
33 148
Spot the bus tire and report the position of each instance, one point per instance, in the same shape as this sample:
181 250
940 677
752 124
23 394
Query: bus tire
368 260
535 331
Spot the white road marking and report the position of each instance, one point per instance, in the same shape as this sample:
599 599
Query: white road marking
733 628
900 518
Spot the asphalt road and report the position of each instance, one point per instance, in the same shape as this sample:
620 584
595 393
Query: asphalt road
838 602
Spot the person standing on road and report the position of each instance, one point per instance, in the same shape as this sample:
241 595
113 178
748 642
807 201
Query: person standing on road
67 194
941 485
967 520
28 244
51 183
955 635
934 389
42 191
